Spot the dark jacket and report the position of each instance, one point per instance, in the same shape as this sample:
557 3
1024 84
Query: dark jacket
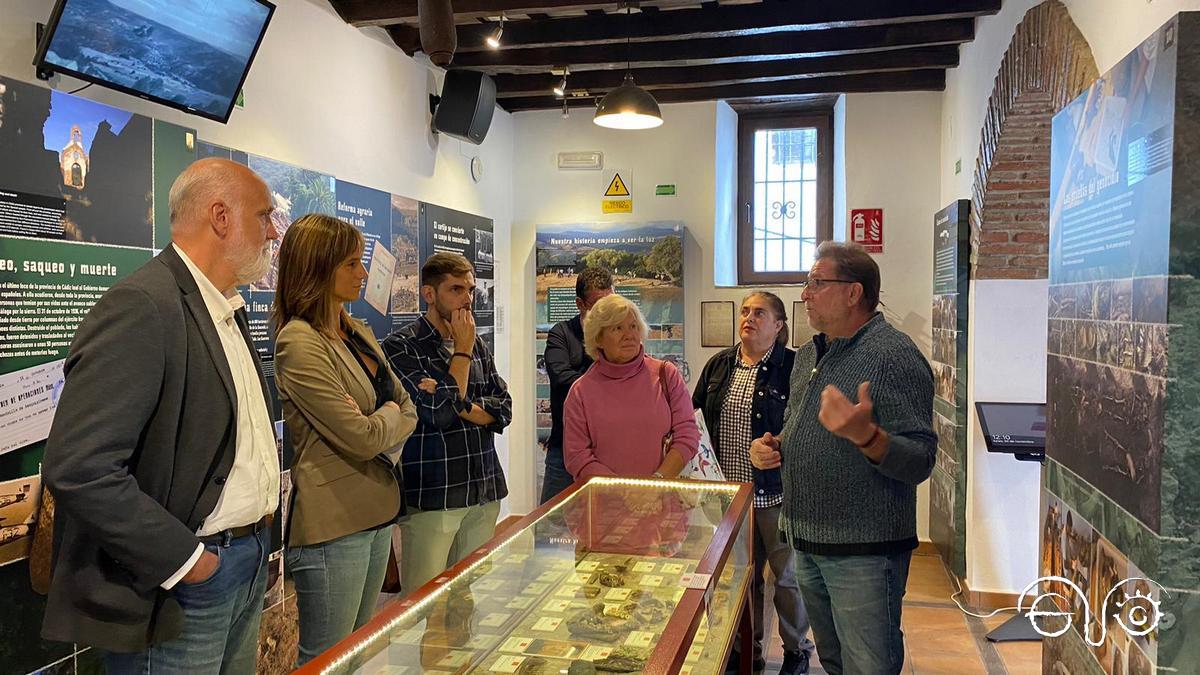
565 362
770 401
137 456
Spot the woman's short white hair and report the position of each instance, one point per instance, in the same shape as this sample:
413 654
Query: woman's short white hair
607 312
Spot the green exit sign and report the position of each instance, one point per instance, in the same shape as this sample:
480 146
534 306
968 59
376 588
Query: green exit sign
664 190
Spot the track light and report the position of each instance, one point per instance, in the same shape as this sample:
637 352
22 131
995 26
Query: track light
493 40
561 88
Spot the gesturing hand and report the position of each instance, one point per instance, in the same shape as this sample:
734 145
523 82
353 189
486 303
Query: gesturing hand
428 385
851 421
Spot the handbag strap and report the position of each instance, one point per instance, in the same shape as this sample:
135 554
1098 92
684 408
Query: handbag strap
662 381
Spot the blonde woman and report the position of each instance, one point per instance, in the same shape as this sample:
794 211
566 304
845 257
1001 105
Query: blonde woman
348 417
628 407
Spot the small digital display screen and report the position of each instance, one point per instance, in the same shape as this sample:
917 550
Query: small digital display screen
1013 427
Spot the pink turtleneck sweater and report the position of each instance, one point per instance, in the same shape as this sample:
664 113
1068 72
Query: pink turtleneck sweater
616 416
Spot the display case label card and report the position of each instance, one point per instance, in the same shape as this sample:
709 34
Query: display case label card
548 576
519 602
587 566
455 659
486 585
639 638
618 594
567 591
694 580
535 588
595 653
482 641
548 623
516 645
624 529
494 620
516 558
581 577
644 567
695 652
651 580
507 664
611 539
672 568
557 606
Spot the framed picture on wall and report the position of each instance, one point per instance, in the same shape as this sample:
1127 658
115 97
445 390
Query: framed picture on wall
801 331
716 323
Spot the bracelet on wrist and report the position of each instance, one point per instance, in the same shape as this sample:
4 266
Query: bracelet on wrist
874 436
462 354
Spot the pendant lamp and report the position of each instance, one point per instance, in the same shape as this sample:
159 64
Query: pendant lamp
628 106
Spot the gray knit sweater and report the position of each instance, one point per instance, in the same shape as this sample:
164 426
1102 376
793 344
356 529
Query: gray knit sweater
836 501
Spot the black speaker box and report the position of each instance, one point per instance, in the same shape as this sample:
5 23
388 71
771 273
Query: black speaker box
466 106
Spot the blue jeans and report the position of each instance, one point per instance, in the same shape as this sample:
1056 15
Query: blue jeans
337 586
854 603
557 479
220 618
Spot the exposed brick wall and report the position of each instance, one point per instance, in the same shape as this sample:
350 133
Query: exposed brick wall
1048 63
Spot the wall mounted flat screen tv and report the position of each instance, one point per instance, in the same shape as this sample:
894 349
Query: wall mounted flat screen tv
188 54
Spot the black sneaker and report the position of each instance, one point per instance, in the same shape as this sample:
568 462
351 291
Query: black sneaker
794 663
734 665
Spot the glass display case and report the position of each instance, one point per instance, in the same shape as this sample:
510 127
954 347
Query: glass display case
613 576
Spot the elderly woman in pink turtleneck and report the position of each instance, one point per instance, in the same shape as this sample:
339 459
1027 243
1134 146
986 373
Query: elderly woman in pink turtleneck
618 415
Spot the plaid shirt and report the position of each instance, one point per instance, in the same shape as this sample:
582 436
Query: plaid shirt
449 463
735 430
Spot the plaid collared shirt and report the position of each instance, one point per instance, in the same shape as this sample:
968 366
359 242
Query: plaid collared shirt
449 463
735 430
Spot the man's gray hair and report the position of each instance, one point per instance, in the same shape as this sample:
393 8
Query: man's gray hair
854 264
196 187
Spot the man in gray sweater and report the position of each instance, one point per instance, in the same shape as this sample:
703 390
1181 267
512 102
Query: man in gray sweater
851 470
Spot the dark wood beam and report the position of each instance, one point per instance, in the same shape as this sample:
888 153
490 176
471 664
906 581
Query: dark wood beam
912 80
946 56
683 24
812 13
796 44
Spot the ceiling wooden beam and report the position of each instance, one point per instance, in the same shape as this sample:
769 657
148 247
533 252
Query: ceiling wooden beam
687 24
945 56
912 80
813 13
797 44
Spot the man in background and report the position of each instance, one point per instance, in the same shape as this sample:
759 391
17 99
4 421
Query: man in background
453 481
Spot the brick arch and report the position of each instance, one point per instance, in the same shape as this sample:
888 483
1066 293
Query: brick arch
1048 64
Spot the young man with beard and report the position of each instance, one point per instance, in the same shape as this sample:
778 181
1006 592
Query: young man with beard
165 492
453 481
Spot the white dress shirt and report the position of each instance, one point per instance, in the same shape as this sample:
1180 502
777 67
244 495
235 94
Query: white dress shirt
251 490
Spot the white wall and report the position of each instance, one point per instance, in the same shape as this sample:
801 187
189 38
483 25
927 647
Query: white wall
332 98
696 150
1002 540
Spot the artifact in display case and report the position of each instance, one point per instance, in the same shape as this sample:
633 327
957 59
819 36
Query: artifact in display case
612 576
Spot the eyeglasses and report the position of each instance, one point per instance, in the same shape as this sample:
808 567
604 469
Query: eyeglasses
818 284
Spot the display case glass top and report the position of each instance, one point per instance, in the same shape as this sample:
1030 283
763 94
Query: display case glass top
614 575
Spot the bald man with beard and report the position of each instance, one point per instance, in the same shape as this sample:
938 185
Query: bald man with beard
162 456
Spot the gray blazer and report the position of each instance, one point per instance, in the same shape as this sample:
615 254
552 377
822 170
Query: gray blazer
139 450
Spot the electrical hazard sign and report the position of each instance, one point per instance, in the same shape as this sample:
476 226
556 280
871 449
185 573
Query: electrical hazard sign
616 188
618 195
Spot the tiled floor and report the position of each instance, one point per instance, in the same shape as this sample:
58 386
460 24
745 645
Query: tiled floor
940 639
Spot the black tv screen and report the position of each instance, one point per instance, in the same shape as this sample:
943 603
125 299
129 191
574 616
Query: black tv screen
188 54
1013 427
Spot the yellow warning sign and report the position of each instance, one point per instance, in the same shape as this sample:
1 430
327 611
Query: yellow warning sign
617 205
617 187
